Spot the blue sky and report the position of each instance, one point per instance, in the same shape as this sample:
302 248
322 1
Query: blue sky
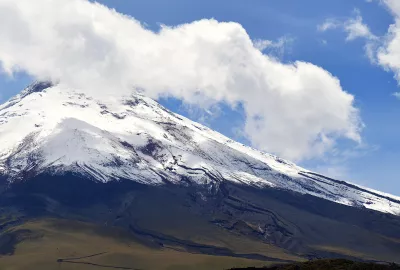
296 22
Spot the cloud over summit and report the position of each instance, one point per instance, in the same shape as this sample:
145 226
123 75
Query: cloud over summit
296 110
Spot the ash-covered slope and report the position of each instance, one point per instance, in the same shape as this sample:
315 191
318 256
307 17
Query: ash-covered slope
53 129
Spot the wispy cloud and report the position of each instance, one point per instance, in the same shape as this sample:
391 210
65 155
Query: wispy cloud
396 95
274 48
329 24
336 165
354 27
383 51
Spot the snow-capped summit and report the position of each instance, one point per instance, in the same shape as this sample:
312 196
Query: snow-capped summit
53 129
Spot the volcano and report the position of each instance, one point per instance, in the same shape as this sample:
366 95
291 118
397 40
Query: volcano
138 186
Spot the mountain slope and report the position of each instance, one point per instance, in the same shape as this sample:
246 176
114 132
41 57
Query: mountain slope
52 129
171 187
237 221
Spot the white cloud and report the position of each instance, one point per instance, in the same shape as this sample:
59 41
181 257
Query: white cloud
393 5
383 51
386 53
295 110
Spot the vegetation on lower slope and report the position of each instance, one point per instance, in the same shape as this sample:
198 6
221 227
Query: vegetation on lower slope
329 264
48 244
